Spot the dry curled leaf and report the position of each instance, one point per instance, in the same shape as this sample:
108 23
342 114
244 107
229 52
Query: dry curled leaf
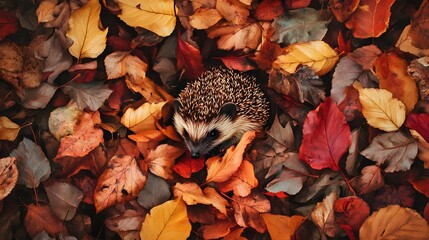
8 176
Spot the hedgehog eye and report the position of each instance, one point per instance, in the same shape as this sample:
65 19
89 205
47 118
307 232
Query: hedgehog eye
213 133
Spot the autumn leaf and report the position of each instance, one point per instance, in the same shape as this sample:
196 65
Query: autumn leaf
326 137
204 18
301 25
235 37
324 218
370 19
142 118
9 24
248 211
419 26
8 176
88 40
391 70
215 199
40 218
189 59
167 221
370 180
394 222
381 110
268 10
190 192
120 63
33 166
233 10
343 9
156 16
161 160
38 98
64 199
63 120
351 212
88 96
394 151
242 181
419 122
155 192
404 44
121 181
316 54
221 169
217 230
8 129
45 11
282 227
186 166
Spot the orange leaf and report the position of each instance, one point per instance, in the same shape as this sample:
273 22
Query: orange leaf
8 176
370 19
218 229
242 181
161 160
221 169
40 218
282 227
121 181
85 138
216 199
190 192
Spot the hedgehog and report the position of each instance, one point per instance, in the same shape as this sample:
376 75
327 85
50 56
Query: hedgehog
214 111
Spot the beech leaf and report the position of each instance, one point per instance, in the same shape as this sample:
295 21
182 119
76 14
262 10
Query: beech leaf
64 199
394 222
394 151
156 16
88 96
204 18
33 166
121 181
167 221
8 129
326 137
88 40
235 37
8 176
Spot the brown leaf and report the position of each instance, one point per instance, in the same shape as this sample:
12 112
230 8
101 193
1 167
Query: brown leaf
216 199
248 211
233 10
235 37
343 9
217 230
269 9
40 218
121 181
242 181
64 199
323 216
419 30
204 18
370 180
161 160
8 176
221 169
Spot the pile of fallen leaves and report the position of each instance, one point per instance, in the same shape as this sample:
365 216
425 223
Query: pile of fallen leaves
88 150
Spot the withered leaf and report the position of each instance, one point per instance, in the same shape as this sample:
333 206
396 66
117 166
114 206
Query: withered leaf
8 176
155 192
248 210
88 96
64 199
40 218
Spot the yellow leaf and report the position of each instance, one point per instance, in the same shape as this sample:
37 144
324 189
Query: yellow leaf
221 169
167 221
142 118
282 227
8 129
120 63
204 18
148 89
317 54
381 110
394 222
156 16
88 40
45 11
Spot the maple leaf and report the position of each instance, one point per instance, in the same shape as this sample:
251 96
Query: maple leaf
326 137
88 96
88 40
393 222
156 16
301 25
8 176
121 181
167 221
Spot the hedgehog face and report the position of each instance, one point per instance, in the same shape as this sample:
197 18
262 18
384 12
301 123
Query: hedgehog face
202 137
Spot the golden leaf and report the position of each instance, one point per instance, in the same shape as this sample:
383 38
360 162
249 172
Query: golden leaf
88 40
316 54
204 18
167 221
45 11
282 227
8 129
394 222
156 16
381 110
142 118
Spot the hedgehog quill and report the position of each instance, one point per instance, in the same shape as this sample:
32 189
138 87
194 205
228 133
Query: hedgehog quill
214 111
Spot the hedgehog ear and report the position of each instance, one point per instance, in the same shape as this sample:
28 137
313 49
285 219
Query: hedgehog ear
229 110
177 105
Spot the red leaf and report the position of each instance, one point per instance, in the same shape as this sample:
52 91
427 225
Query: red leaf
326 137
118 43
278 195
344 43
238 63
419 122
268 10
8 24
189 59
351 211
187 165
420 184
295 4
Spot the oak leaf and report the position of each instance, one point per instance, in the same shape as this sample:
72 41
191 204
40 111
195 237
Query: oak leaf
370 19
161 160
248 211
33 166
121 181
242 181
318 55
142 118
282 227
221 169
394 151
88 96
88 40
381 110
394 222
8 129
326 137
167 221
8 176
64 199
156 16
40 218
